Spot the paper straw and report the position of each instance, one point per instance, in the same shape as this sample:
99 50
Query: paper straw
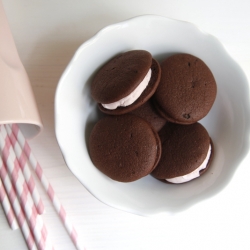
22 159
47 186
35 222
7 208
17 208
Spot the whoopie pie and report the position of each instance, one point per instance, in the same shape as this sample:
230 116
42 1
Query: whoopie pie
148 112
187 152
187 89
125 147
125 82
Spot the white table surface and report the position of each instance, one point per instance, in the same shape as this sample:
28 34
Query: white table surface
46 34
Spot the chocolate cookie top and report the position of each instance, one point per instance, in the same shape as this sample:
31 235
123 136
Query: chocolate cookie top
148 112
125 148
119 77
184 149
187 89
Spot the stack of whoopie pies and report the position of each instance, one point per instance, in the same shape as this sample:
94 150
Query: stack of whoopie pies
151 126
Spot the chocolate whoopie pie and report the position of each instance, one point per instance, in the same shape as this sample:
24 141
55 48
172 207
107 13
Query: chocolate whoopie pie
187 152
148 112
126 82
125 148
187 89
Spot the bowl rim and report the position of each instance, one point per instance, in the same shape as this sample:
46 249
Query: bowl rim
68 68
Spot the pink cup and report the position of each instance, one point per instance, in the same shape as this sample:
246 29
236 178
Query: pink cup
17 102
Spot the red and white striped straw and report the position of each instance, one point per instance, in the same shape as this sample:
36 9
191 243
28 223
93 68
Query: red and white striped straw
7 208
17 208
47 186
35 222
22 159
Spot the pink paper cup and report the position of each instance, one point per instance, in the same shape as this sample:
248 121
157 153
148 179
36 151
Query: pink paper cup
17 102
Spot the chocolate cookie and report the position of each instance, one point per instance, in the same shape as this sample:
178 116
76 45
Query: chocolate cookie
148 112
126 82
187 89
186 152
125 147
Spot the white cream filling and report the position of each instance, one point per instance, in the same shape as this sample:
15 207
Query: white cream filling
194 174
133 96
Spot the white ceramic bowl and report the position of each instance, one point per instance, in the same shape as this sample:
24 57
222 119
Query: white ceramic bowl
227 122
